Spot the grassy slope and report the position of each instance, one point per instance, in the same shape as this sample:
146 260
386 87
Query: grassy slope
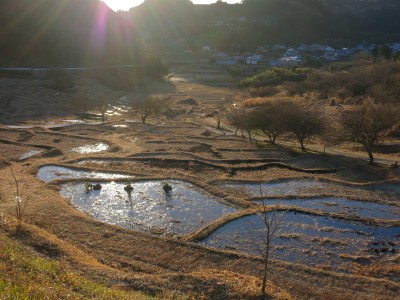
25 274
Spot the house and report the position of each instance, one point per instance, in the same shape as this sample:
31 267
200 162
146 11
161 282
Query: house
253 59
330 55
223 58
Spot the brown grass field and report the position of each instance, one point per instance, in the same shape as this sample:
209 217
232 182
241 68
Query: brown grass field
86 258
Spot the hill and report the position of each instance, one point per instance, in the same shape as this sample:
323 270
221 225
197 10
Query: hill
65 33
264 22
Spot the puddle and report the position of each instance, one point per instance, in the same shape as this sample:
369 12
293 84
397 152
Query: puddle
74 121
120 126
286 188
50 173
52 125
341 205
311 240
90 148
29 154
185 209
177 79
390 188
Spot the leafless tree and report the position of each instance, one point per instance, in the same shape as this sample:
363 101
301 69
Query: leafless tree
303 123
368 123
220 111
102 105
20 204
236 118
243 119
146 106
271 118
81 103
145 109
271 221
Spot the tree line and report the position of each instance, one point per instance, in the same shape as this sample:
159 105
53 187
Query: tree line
365 124
84 33
264 22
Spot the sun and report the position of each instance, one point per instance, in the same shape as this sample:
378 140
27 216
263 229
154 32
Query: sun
122 4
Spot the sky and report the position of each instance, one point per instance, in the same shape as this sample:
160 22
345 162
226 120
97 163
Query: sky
126 4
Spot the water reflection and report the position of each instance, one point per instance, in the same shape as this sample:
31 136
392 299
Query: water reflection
147 207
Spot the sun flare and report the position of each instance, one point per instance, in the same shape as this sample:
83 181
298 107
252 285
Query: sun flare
127 4
122 4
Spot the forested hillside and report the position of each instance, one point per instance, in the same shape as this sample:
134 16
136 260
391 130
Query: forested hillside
87 32
65 33
263 22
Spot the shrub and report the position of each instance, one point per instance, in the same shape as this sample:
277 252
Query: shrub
128 187
167 188
97 187
265 91
276 76
88 187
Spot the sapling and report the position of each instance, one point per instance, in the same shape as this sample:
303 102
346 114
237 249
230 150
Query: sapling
128 187
20 204
97 187
271 221
88 187
167 188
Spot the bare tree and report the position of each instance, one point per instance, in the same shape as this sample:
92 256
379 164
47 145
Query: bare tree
271 224
20 204
147 106
303 123
249 122
218 116
243 119
271 118
102 105
236 118
271 221
81 103
145 109
368 123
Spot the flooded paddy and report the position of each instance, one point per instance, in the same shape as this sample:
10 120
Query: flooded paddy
50 173
281 188
311 240
344 206
389 188
94 148
30 154
147 207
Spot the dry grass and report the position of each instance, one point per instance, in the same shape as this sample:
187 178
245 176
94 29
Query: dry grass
25 274
108 261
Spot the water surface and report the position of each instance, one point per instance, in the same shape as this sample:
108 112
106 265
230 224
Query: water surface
148 208
98 147
50 173
345 206
309 239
